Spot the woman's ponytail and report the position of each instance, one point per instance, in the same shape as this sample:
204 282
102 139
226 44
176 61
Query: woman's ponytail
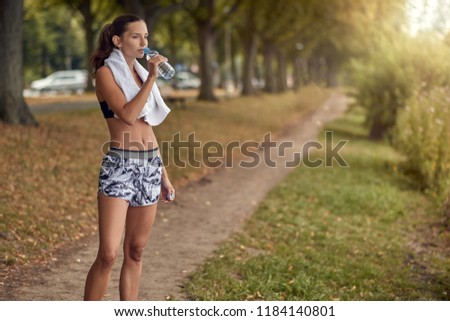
104 48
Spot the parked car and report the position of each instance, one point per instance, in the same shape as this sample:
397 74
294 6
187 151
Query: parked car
186 80
62 81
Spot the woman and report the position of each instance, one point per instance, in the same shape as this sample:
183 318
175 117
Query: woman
132 175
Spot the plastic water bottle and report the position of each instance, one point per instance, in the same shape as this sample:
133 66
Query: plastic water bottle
164 68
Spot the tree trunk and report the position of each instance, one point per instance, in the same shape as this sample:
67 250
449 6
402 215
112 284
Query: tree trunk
206 39
330 72
234 68
248 68
173 46
378 128
269 77
314 68
281 74
446 212
297 74
13 109
44 63
88 19
90 50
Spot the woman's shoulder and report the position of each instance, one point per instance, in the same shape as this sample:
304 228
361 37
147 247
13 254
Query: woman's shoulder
104 75
103 71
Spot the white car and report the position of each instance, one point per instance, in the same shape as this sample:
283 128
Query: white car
186 80
62 81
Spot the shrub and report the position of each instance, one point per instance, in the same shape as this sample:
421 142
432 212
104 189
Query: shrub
389 75
383 81
422 134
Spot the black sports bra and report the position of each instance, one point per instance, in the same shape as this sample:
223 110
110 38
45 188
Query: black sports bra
107 113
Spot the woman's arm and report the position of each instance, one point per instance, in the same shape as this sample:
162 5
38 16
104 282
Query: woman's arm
112 93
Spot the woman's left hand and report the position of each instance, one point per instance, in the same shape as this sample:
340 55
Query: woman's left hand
167 191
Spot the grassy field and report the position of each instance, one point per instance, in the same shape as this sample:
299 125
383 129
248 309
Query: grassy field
49 173
334 233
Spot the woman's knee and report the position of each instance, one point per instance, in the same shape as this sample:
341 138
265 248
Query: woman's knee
107 259
135 252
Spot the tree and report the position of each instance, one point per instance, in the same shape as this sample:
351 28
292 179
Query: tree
13 108
245 23
277 26
208 17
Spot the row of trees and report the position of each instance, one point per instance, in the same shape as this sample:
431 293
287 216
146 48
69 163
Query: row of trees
312 41
310 38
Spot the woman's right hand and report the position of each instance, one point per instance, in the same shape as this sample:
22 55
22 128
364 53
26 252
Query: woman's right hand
152 65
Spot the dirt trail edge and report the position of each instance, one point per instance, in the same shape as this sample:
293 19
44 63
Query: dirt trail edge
185 234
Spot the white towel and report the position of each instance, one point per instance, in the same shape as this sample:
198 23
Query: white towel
155 109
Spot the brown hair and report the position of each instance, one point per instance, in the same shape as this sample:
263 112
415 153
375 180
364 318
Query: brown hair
105 45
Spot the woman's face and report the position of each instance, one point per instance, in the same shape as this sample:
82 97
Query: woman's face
134 40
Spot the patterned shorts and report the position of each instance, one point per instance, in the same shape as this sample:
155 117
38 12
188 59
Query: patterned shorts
134 176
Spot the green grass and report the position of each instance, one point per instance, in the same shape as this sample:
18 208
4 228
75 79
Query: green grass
333 233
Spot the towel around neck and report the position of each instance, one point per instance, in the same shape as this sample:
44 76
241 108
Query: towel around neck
155 109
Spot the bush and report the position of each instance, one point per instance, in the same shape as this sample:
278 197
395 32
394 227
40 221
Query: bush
422 134
387 78
383 83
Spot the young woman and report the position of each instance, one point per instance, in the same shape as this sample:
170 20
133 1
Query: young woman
132 176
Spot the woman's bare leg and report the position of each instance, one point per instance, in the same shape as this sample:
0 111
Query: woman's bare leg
138 227
111 215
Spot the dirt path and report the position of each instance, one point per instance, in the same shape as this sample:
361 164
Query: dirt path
184 235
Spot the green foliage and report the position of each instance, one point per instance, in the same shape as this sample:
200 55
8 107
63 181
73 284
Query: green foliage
422 134
389 75
384 81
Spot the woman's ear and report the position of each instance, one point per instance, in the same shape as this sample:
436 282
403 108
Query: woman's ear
116 41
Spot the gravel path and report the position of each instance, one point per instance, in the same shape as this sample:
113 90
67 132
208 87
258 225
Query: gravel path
184 234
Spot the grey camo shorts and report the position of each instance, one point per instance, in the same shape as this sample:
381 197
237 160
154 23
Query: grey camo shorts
134 176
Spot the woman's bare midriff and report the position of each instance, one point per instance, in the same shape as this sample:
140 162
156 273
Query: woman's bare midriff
140 136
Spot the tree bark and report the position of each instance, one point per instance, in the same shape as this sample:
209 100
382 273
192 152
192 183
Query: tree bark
206 39
281 74
44 62
378 128
249 43
234 68
13 109
314 69
88 25
297 74
90 50
330 72
269 75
